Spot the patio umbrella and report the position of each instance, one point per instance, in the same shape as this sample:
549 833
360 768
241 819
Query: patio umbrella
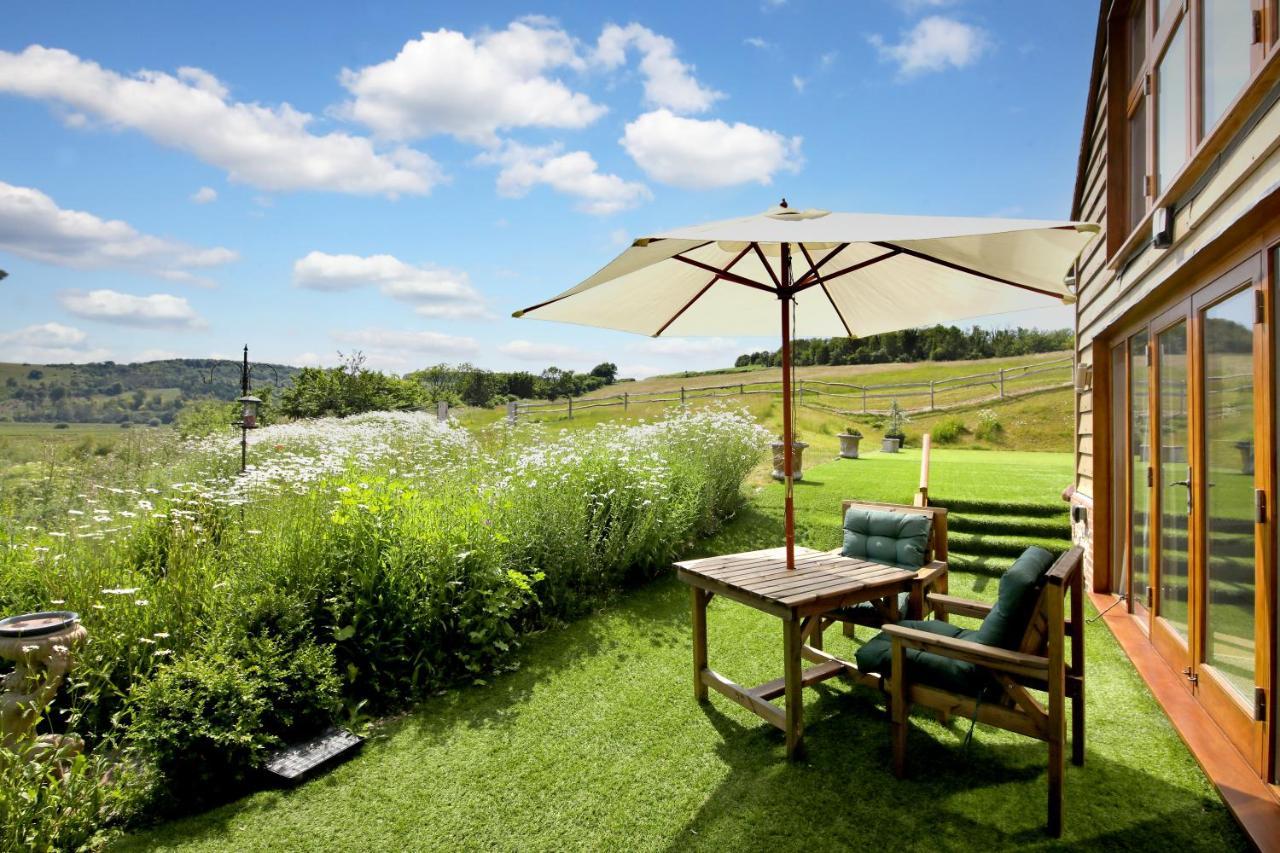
859 274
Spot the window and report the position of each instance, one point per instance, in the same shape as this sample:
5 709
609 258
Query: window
1226 26
1185 62
1171 109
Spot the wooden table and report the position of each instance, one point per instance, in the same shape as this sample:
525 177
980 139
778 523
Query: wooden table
821 582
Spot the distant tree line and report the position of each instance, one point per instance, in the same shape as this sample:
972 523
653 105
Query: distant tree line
937 343
352 388
475 386
152 392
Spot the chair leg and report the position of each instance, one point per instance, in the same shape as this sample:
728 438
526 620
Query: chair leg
898 710
1055 787
1077 727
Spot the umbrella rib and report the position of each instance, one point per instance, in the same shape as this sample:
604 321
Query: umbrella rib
834 307
698 295
849 269
814 269
969 270
727 276
765 264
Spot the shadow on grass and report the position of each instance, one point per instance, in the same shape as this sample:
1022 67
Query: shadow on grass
951 798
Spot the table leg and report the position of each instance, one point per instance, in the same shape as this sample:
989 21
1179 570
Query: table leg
700 599
792 671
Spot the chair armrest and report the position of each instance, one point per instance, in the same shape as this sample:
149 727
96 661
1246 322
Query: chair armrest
959 606
930 573
991 657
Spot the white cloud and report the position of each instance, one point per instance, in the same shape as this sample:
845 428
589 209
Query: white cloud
47 343
379 341
156 355
685 347
700 154
757 42
575 174
668 82
33 226
799 83
204 195
437 291
268 147
913 6
640 371
159 310
934 44
544 353
470 88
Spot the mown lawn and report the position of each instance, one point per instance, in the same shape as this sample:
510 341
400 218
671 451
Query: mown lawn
596 742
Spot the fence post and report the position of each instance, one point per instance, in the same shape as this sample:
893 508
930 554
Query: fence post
625 401
442 411
864 400
681 396
742 389
511 411
931 407
1002 383
570 408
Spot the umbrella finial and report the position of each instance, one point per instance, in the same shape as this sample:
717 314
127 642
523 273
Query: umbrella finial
784 203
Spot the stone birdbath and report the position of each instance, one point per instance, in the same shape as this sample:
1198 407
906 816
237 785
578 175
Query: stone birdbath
41 647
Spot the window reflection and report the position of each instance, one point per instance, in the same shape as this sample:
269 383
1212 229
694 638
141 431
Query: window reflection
1226 33
1229 454
1171 109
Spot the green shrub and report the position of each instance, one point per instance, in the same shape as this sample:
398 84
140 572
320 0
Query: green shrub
52 801
948 430
199 721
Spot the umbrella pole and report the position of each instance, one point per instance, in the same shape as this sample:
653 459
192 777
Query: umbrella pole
787 431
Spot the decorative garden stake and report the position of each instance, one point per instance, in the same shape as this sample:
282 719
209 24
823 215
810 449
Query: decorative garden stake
41 646
248 404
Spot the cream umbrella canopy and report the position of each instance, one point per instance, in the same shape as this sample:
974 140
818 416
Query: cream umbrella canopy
834 274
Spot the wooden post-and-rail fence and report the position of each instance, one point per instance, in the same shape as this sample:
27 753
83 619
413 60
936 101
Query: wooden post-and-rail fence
843 398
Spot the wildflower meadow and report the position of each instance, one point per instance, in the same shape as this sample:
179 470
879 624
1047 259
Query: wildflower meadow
358 565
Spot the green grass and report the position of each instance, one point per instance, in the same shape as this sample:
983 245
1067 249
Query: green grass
596 742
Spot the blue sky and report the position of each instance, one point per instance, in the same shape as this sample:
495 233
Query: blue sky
179 179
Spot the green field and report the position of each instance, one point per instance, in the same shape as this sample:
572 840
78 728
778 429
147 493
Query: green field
596 742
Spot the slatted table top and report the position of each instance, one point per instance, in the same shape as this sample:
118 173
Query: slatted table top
821 580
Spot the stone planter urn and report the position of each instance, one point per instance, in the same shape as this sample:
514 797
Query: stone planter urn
41 646
849 444
890 445
797 455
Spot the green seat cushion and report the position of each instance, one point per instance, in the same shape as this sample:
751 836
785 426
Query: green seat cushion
895 538
924 667
1015 603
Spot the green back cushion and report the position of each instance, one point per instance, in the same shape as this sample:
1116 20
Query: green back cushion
924 667
896 538
1015 603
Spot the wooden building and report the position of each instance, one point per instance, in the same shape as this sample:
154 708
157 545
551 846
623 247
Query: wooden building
1176 370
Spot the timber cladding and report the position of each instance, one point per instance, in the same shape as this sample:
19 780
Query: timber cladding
1223 202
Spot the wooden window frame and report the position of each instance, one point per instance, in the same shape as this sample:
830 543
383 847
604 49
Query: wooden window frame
1125 95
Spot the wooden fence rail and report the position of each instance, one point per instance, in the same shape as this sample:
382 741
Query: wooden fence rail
810 392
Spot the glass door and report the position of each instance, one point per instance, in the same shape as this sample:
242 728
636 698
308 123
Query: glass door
1230 660
1139 443
1172 476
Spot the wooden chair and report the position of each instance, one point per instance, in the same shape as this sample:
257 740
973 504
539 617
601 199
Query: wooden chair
1040 663
932 576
